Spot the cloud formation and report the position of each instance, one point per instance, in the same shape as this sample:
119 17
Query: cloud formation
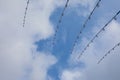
18 52
108 69
71 75
19 58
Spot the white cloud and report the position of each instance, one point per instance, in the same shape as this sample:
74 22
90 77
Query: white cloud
17 43
17 48
108 69
40 66
81 7
71 75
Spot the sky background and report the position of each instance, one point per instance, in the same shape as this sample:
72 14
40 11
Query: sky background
26 53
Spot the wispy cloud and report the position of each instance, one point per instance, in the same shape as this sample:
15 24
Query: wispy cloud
96 50
20 59
17 50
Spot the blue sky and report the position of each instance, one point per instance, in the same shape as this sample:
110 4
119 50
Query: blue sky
69 28
26 53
